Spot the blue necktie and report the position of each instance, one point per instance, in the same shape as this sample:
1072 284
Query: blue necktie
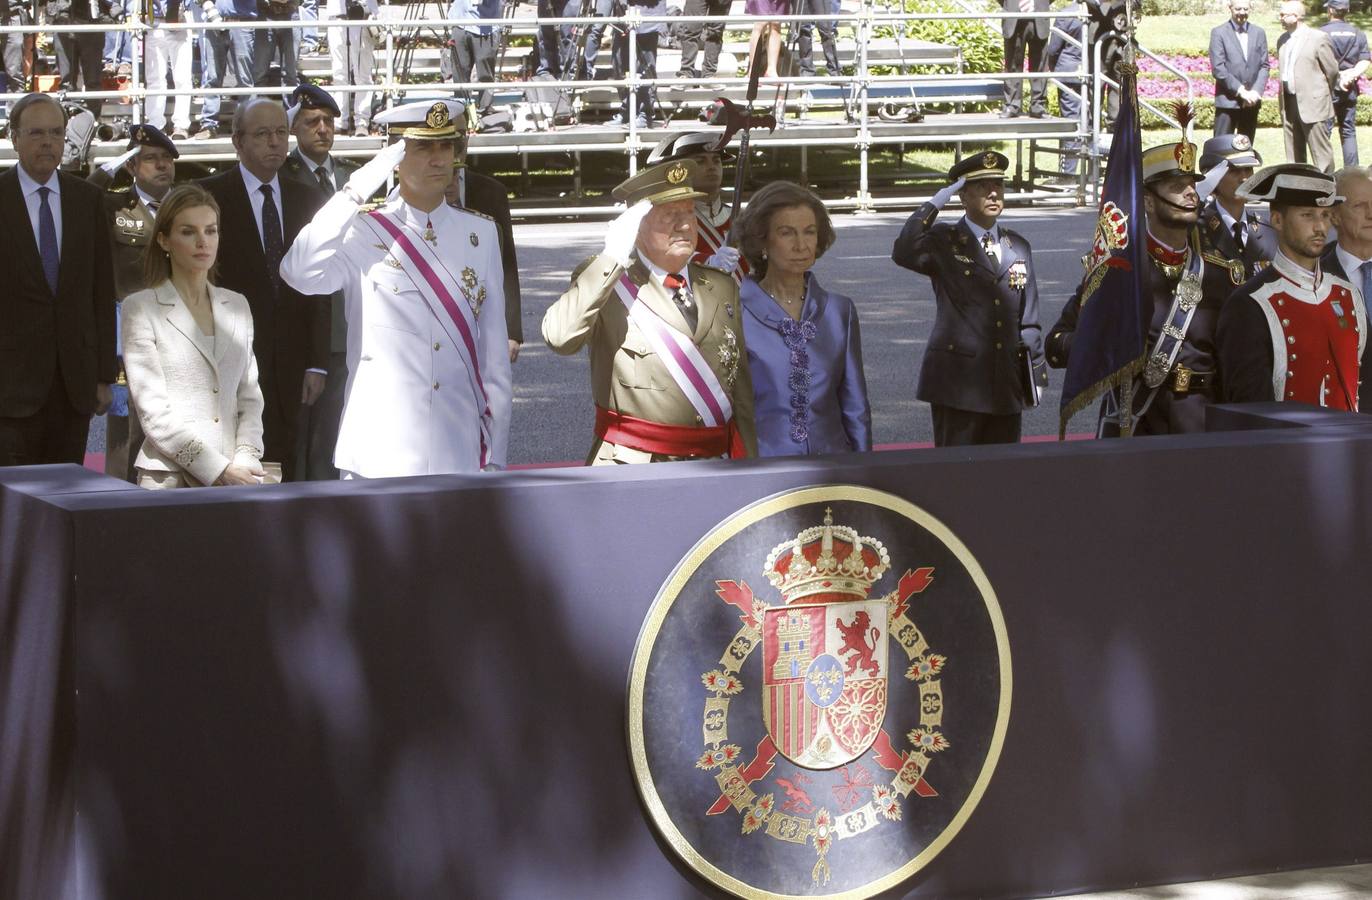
1367 287
47 240
273 244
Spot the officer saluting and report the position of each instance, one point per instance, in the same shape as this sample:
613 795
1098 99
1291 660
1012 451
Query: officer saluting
428 366
984 363
1297 331
669 369
1235 231
713 218
134 184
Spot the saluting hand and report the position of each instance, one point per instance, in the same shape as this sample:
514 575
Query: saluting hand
622 234
943 196
365 181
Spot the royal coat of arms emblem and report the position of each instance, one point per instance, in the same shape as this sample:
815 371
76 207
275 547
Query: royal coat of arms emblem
794 741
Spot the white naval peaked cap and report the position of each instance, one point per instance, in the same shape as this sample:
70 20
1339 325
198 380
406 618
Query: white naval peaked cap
426 120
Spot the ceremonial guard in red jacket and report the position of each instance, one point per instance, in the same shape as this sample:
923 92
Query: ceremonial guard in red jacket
713 218
1295 332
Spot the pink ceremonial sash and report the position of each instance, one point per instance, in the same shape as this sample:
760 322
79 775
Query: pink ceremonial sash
438 286
679 353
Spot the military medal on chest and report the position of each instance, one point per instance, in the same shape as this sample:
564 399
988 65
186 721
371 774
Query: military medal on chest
476 297
1019 275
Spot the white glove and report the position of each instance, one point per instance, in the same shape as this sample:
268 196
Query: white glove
725 258
943 196
623 232
1206 186
211 10
364 182
114 165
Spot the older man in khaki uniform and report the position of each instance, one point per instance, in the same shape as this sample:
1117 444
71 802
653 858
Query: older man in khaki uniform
669 369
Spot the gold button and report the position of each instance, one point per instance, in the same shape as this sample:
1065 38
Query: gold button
216 420
997 345
998 323
437 345
1291 340
1286 321
1293 356
1290 393
996 302
435 385
1281 303
966 271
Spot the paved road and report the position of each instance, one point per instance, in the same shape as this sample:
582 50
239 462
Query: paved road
553 411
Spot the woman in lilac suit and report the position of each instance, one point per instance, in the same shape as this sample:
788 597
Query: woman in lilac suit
804 349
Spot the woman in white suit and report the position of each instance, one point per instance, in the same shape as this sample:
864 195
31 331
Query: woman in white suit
188 356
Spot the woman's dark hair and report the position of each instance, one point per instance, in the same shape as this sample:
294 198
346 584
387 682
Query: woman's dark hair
156 263
749 233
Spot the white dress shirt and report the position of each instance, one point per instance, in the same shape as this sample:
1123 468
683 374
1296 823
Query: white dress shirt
29 188
254 186
978 231
1243 39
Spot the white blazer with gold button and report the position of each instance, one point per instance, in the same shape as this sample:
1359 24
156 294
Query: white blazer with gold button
197 395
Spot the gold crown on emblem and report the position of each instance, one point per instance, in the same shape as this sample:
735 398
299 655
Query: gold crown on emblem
826 563
438 116
676 174
989 160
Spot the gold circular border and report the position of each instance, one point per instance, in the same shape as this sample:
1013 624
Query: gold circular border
662 604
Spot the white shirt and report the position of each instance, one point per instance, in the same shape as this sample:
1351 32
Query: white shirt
147 199
254 186
29 188
661 274
978 231
1243 38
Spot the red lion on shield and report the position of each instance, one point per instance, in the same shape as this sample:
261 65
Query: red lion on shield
855 641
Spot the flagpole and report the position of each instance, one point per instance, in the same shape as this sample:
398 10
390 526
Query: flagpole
1126 406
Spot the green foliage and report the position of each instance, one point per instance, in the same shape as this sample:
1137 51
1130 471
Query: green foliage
982 47
1184 8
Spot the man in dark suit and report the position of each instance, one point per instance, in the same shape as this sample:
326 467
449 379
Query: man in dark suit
1237 232
483 194
1350 257
312 119
57 309
1064 55
986 338
1238 60
1019 35
259 216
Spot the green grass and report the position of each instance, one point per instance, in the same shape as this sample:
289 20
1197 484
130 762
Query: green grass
1190 35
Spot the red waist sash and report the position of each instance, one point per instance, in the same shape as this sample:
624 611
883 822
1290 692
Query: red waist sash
669 440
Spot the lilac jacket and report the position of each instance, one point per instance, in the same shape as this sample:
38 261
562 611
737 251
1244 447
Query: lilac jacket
809 389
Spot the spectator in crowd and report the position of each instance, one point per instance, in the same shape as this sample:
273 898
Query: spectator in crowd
828 34
429 369
311 118
309 41
1240 235
645 115
352 56
713 218
710 33
554 42
59 295
12 47
804 345
1021 35
1238 60
474 48
642 301
1064 54
986 343
483 194
79 54
766 31
224 50
165 49
1296 332
269 43
1350 50
1350 257
188 353
135 185
1309 74
260 216
118 54
594 32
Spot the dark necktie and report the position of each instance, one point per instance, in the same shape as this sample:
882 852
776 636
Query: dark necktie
682 298
152 207
325 182
1367 286
1238 236
273 245
47 240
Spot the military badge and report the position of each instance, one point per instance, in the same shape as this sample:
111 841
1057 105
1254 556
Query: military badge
729 357
1241 142
473 238
438 115
793 741
1018 275
677 174
989 160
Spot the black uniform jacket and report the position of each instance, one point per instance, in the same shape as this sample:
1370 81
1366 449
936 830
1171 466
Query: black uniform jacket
290 330
1260 245
972 361
40 332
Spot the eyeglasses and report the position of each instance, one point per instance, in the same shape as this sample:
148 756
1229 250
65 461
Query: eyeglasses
266 134
36 133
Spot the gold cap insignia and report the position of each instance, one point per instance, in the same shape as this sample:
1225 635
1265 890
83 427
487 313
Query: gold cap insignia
1186 156
1241 142
989 160
676 174
438 116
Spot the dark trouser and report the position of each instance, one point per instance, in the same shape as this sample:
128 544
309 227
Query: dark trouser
319 424
1023 36
594 33
1069 107
54 434
1239 120
12 55
1345 116
554 41
962 428
1173 413
713 32
828 31
473 59
81 57
278 432
647 68
265 43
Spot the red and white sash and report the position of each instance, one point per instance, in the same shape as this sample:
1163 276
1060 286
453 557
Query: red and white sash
439 289
679 353
709 238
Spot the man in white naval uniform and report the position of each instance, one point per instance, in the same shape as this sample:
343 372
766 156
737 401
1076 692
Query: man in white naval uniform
428 365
